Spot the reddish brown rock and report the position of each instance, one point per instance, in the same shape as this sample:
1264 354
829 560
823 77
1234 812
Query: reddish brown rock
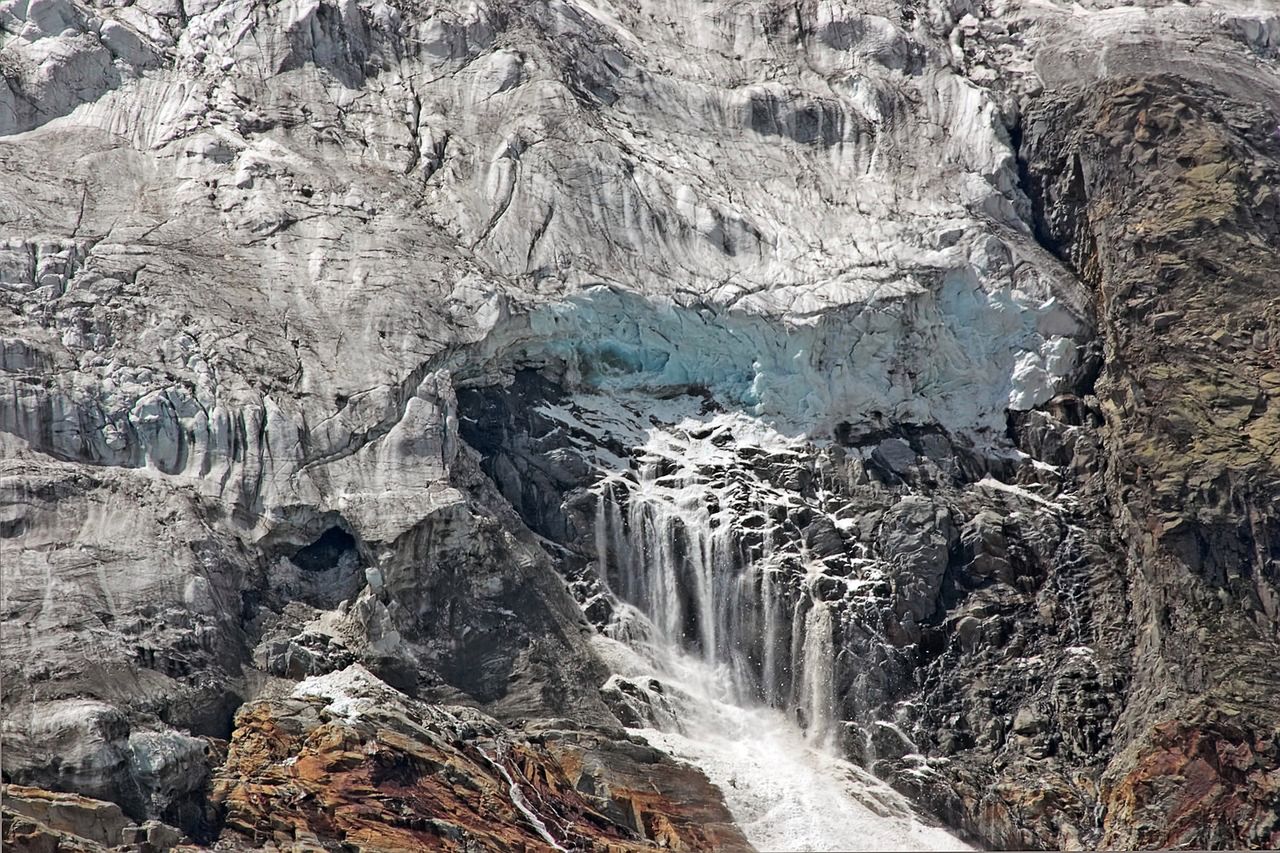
1195 775
671 804
378 771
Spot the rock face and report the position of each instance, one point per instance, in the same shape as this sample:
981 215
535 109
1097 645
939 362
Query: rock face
1168 210
37 820
34 818
348 760
914 360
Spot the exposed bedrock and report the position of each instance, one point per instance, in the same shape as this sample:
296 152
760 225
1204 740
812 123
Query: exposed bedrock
1160 192
987 614
934 607
451 778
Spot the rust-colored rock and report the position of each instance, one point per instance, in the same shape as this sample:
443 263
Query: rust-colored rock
377 771
669 803
94 821
1196 775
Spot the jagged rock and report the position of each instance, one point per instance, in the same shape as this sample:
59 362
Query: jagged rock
985 543
894 456
83 745
153 835
1029 721
823 538
969 630
172 770
886 741
640 705
1186 229
36 818
918 536
668 803
348 760
40 821
1228 791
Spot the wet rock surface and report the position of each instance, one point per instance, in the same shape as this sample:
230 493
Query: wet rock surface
976 629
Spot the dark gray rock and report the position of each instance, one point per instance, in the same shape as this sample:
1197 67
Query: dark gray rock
917 536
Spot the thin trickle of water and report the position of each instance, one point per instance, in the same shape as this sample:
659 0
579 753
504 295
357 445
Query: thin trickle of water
818 673
799 616
519 801
772 630
601 531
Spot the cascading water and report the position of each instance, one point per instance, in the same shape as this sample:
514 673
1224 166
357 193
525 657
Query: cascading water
675 556
736 643
818 695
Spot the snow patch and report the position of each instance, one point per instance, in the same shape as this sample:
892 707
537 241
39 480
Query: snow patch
990 482
350 692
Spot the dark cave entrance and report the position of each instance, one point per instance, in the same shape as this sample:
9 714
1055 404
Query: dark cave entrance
323 573
326 552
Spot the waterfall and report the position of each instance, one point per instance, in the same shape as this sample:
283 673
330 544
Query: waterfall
772 631
678 558
710 627
818 673
676 561
728 645
672 553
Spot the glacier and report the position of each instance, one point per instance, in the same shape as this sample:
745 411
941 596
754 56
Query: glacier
954 354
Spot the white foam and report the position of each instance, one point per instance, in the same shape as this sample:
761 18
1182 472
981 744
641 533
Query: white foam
785 792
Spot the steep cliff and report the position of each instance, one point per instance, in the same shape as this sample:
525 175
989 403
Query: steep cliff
1160 191
906 364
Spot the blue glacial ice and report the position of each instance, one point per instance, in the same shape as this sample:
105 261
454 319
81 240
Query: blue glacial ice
954 354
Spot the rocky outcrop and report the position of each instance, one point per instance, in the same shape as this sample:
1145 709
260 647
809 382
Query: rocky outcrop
32 812
1228 794
46 822
1159 191
963 609
348 760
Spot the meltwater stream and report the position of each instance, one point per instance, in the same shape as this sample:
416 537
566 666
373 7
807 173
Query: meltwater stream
727 652
785 791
